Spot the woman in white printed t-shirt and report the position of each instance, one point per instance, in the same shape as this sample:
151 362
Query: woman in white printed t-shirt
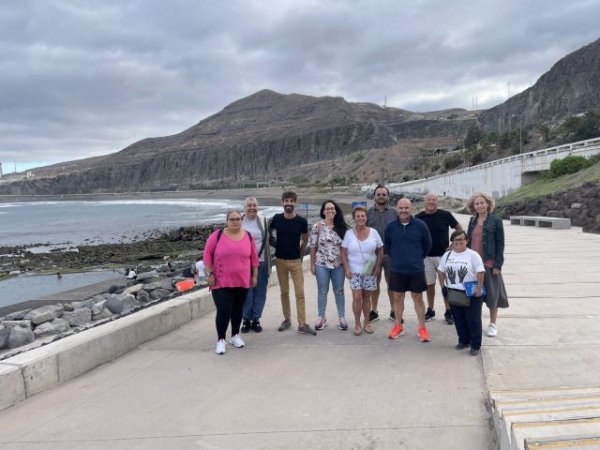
362 257
458 267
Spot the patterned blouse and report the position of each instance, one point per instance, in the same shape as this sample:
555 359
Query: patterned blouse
327 244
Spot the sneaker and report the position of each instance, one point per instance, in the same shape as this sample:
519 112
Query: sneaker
256 326
343 325
492 330
284 325
460 346
246 325
321 323
236 341
474 352
448 317
373 316
392 316
396 332
221 347
306 329
429 315
423 335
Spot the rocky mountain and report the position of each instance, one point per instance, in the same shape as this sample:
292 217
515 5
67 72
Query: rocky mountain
250 139
570 87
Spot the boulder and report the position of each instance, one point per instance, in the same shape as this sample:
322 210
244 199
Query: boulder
133 289
17 315
89 303
4 332
115 303
78 317
51 328
143 296
17 323
68 306
20 336
160 284
129 303
147 275
157 294
98 307
103 314
37 317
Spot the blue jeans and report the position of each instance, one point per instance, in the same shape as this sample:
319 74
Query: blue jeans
324 275
255 300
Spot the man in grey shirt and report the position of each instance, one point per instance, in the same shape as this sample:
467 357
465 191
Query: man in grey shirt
379 216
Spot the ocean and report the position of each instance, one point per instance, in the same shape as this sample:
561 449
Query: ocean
44 226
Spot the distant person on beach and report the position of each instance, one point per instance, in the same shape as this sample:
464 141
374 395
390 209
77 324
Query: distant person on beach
289 233
58 275
362 255
326 261
457 267
407 241
439 222
379 216
231 267
256 224
486 237
131 274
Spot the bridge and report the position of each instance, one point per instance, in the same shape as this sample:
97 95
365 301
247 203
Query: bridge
500 177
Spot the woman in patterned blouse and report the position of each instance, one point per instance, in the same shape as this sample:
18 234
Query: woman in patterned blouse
326 262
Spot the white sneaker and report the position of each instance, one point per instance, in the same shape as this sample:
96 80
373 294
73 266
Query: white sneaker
221 344
492 330
236 341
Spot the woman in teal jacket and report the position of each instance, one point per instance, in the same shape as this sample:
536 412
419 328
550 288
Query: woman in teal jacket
486 237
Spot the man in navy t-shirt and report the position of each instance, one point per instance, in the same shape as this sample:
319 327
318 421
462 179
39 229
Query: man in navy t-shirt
291 234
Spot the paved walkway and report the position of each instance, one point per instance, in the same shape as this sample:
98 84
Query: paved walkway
335 390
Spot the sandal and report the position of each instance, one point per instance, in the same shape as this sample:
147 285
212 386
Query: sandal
357 331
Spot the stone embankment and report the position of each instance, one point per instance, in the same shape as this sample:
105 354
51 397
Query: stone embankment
30 328
581 205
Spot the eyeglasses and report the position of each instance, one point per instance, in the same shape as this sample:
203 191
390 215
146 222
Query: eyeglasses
236 219
330 209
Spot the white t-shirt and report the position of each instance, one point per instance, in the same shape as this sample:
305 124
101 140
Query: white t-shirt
251 226
359 252
460 267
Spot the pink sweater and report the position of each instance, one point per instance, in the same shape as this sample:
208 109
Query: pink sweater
231 260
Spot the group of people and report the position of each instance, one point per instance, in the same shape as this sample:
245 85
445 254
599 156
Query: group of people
410 252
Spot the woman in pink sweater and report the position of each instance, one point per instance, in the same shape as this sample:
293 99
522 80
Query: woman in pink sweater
231 267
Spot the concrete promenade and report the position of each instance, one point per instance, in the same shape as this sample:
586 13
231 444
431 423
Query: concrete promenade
335 390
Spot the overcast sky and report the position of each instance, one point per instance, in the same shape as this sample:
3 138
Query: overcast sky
84 78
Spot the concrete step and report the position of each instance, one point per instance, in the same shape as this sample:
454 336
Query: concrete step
567 417
565 443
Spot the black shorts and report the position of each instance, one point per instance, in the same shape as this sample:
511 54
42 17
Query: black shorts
413 282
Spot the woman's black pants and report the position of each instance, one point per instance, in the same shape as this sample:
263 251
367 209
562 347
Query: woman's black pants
467 320
230 305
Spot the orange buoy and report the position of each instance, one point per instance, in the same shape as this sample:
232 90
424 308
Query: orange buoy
185 285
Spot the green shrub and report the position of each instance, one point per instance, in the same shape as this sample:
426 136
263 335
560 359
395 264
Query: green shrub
570 164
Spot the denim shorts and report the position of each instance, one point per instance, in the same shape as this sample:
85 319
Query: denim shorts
360 281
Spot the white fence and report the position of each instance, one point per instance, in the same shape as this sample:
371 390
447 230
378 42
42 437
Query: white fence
499 177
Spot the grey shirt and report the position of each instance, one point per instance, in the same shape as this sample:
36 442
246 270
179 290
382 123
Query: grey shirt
380 219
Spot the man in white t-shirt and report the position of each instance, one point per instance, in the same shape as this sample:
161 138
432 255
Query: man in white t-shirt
256 224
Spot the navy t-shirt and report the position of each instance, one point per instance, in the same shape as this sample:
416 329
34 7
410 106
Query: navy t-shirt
289 232
438 223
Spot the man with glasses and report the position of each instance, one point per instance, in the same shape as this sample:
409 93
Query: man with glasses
291 239
379 216
439 222
256 224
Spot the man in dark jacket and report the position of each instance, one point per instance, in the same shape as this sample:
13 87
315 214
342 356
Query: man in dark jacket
407 241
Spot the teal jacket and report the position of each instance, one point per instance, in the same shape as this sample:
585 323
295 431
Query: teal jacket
493 238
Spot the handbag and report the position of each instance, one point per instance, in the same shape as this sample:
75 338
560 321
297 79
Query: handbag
457 297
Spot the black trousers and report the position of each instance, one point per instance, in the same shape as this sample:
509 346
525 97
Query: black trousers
467 320
230 306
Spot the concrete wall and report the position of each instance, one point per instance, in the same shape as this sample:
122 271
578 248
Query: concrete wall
500 177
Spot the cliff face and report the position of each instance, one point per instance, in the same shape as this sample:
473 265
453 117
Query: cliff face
571 86
251 137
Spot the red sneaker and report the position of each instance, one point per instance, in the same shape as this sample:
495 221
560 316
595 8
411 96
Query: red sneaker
396 332
423 335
